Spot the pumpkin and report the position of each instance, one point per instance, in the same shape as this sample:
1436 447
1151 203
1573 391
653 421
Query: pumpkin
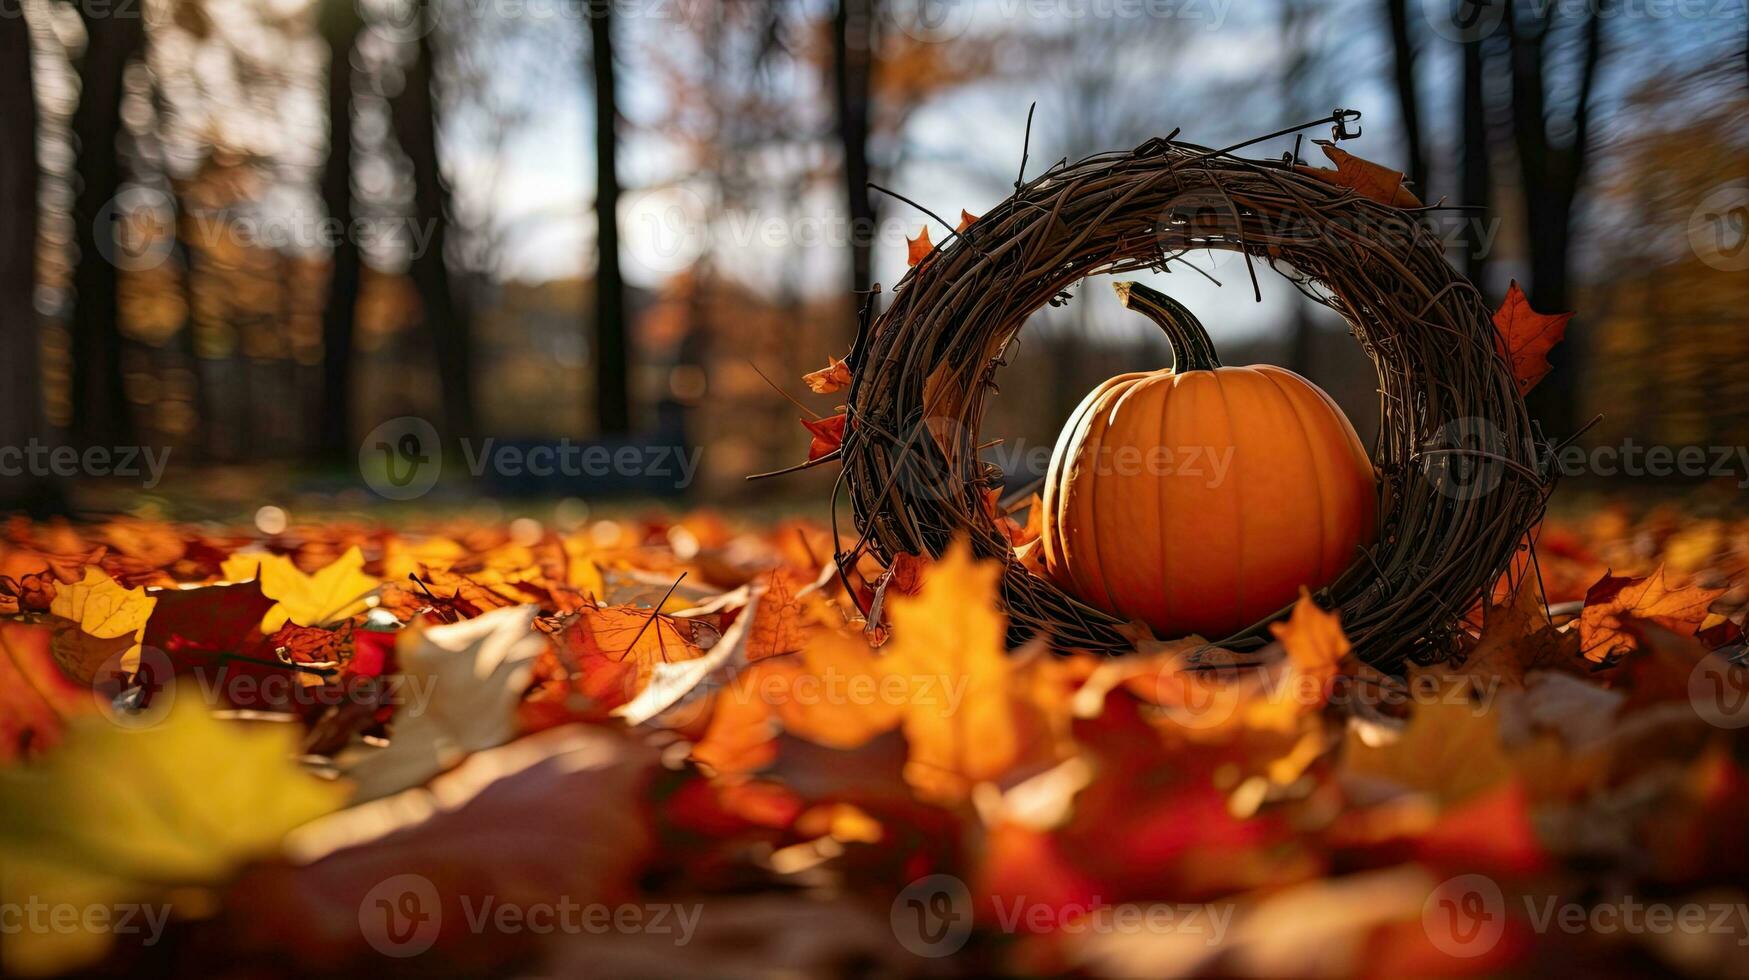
1201 499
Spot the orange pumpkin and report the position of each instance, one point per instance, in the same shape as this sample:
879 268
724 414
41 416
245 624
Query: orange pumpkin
1200 499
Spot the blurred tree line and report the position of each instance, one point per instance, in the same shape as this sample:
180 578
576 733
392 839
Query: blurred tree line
138 145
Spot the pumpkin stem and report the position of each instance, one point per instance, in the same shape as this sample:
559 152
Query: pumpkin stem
1192 350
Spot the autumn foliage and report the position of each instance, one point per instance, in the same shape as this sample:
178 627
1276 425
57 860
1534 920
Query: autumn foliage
681 710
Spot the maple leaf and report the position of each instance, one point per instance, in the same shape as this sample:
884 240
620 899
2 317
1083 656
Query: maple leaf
918 249
1524 337
781 620
106 621
103 608
1616 605
1516 638
835 376
334 592
947 653
121 815
828 435
209 619
618 648
966 220
1365 177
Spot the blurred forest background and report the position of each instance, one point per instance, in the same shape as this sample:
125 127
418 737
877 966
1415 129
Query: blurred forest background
567 218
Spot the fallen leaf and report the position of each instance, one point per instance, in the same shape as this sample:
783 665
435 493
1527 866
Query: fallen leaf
334 592
120 815
948 654
782 620
458 687
1616 605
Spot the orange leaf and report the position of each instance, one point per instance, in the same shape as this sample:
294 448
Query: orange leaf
828 434
1525 337
1615 606
917 249
780 621
966 219
948 655
1367 178
621 646
835 376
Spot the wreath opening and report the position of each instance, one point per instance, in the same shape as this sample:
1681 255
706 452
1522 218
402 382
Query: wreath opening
1462 477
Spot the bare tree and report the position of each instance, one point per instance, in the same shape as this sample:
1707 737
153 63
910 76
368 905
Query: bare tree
340 26
612 351
100 409
1552 146
415 120
1408 102
1474 179
20 396
854 42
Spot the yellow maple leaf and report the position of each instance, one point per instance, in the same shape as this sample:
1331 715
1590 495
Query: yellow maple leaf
118 815
102 607
948 655
105 619
332 593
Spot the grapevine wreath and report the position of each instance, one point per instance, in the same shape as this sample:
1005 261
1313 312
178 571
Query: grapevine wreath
1459 464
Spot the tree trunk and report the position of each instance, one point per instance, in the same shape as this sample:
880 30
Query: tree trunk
100 409
1408 105
1474 180
1551 173
853 41
447 321
21 417
613 412
340 25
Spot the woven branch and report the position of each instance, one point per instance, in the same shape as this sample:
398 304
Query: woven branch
1462 478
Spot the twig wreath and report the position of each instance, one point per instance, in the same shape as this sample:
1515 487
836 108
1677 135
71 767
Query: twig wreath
1458 461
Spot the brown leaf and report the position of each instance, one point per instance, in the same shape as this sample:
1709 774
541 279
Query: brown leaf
1369 179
